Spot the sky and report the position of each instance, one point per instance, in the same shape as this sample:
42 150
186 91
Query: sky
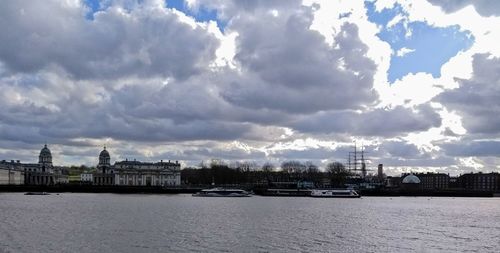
414 82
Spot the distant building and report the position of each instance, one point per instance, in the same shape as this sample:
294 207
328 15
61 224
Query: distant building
411 179
392 182
11 173
147 173
380 172
455 183
135 173
43 172
105 173
410 182
481 181
434 181
87 178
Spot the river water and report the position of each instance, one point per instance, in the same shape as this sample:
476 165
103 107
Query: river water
71 222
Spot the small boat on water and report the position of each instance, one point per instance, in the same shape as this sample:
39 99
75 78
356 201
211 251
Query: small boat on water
335 193
37 193
222 192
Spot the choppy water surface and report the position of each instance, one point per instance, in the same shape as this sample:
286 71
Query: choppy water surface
72 222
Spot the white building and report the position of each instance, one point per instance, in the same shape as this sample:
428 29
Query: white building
11 173
41 173
135 173
147 173
87 178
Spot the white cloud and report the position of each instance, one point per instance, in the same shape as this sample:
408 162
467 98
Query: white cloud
398 18
404 51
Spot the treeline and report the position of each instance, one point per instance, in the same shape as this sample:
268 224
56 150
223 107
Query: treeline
220 173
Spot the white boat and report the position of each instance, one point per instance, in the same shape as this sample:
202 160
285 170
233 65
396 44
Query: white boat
222 192
335 193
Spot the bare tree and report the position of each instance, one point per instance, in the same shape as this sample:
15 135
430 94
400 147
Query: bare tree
247 166
293 167
311 168
267 167
338 173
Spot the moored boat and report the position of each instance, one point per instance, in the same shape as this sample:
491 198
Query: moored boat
222 192
37 193
335 193
279 192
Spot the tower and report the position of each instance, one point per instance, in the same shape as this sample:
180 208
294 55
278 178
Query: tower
380 173
45 160
104 161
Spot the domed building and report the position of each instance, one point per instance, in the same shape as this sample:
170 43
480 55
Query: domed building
104 161
105 173
45 159
410 182
411 179
43 172
134 173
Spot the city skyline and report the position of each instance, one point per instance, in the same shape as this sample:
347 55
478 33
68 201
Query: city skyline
416 84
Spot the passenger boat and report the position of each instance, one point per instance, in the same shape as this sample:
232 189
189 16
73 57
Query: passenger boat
222 192
335 193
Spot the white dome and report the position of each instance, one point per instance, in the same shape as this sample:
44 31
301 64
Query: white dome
411 179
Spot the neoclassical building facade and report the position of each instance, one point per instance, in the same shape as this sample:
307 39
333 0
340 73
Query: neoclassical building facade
136 173
43 172
11 173
104 174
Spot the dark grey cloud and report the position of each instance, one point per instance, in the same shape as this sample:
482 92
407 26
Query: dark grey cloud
483 7
144 41
400 149
378 122
476 100
227 9
310 154
472 148
290 68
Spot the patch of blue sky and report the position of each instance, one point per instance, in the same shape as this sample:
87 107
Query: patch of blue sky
202 14
94 6
428 47
384 16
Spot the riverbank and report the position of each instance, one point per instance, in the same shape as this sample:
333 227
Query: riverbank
257 191
98 189
428 193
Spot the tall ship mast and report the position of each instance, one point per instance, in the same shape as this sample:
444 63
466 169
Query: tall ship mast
356 158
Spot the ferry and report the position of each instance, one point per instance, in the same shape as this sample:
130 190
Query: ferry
221 192
335 193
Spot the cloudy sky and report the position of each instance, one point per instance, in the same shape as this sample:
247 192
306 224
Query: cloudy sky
415 82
